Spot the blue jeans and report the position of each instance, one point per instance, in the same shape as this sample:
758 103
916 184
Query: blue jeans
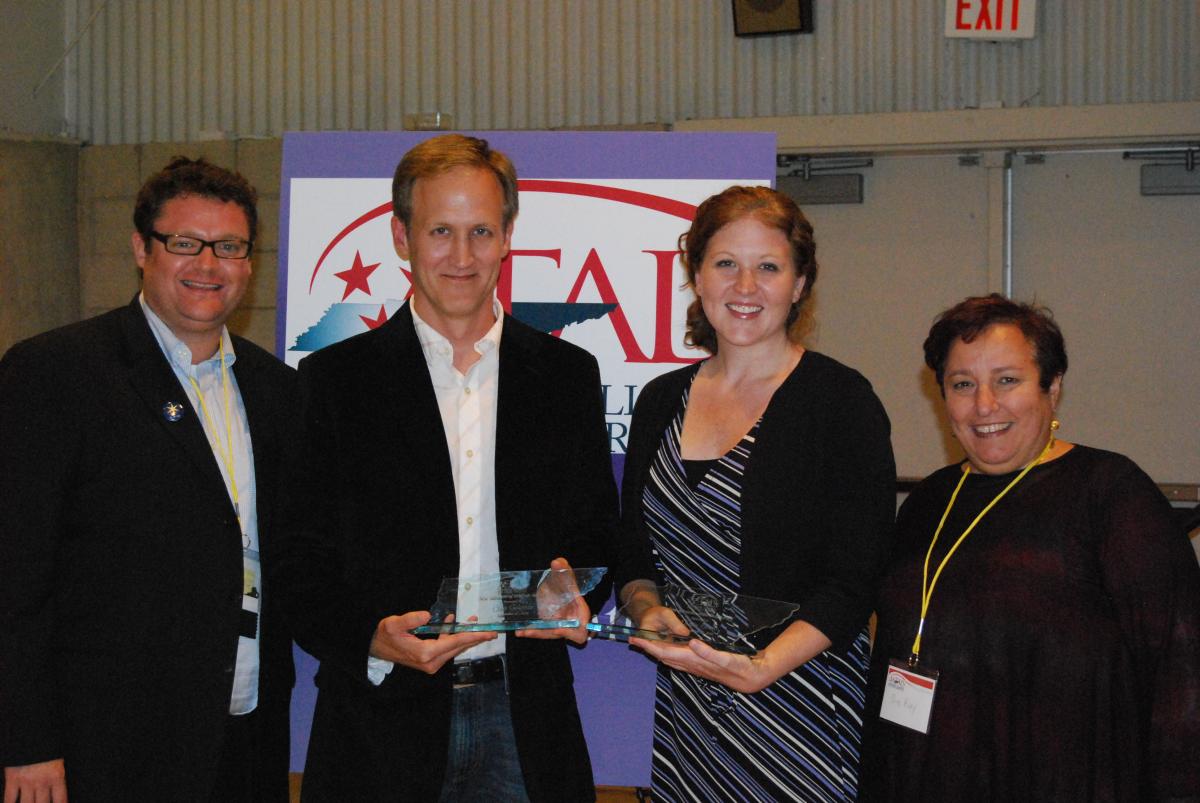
482 764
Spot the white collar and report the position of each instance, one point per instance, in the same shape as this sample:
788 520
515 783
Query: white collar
175 349
434 342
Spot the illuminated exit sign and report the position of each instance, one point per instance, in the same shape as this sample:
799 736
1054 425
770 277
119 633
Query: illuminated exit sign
991 19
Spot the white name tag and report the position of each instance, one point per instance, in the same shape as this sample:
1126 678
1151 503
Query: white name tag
908 695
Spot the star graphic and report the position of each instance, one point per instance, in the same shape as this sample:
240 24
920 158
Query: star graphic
356 276
375 323
408 275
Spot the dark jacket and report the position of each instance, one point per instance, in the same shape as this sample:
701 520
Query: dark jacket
121 565
373 530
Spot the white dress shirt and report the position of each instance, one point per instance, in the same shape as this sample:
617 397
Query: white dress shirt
208 376
467 403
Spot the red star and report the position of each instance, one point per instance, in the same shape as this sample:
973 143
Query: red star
356 276
375 323
408 275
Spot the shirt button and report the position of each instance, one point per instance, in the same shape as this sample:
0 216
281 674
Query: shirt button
466 586
470 520
470 452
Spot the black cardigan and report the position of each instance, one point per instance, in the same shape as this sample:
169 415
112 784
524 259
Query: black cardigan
818 499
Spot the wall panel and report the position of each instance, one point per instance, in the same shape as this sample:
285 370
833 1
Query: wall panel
177 70
1119 270
39 284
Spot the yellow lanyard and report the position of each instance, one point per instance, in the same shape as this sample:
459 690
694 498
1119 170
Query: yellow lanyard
225 452
927 586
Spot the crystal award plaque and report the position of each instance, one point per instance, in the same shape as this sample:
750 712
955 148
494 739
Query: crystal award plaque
723 621
537 599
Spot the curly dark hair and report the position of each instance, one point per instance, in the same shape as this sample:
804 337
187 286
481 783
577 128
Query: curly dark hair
184 176
772 209
970 317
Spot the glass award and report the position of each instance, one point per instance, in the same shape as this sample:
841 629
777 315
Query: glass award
537 599
724 621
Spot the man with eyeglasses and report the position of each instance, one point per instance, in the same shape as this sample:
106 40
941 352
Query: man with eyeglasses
140 657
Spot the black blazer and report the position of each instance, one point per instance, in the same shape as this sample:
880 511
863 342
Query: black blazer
121 565
818 497
373 530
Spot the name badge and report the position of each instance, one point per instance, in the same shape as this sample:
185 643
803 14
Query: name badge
251 599
908 695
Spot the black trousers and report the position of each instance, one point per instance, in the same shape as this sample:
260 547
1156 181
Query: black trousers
239 773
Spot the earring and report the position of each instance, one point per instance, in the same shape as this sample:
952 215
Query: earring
1054 424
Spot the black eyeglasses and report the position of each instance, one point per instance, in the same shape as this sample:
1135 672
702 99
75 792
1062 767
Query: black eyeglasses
185 245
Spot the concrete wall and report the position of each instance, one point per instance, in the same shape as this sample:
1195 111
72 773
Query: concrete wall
39 277
109 178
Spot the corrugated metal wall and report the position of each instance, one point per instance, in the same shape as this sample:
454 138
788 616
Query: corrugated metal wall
172 70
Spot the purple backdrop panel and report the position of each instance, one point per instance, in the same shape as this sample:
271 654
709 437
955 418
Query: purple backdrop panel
614 687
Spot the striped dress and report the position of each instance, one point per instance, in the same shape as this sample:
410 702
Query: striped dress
798 739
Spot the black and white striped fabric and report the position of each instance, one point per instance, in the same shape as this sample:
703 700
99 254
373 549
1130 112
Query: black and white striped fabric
798 739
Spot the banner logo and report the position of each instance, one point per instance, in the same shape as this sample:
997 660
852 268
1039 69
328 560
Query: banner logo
593 261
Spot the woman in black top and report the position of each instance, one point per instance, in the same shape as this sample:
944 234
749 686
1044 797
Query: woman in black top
1064 627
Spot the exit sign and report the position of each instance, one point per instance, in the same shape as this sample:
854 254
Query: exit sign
991 19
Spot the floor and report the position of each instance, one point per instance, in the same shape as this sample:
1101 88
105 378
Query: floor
604 794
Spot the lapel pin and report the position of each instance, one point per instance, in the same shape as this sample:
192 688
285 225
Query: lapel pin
172 411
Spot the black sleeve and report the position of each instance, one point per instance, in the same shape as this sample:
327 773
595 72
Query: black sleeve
1151 576
326 617
858 503
589 504
37 441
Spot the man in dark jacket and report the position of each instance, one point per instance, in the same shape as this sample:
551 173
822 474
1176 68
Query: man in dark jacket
453 441
140 657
